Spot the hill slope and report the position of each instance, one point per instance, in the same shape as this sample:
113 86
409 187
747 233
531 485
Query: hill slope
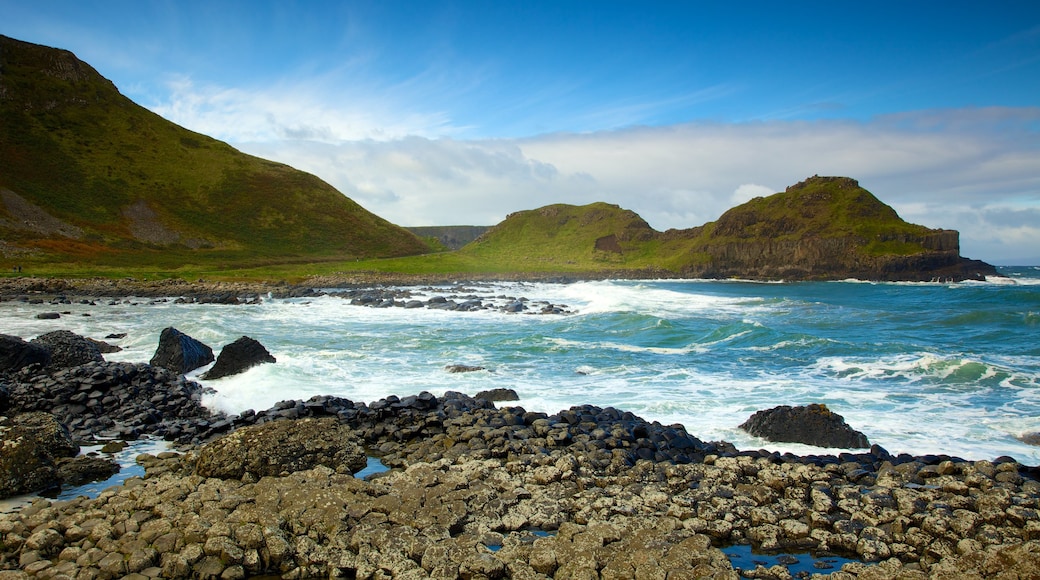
821 228
89 175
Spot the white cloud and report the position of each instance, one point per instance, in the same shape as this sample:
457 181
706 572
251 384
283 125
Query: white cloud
293 112
963 172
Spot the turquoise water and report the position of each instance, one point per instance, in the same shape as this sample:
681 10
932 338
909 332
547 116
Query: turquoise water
919 368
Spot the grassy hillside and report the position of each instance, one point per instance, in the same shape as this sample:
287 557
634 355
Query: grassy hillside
88 175
565 237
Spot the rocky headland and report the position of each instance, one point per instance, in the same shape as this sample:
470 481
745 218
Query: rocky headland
476 490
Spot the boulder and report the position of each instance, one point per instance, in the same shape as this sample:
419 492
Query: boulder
16 354
812 425
237 357
494 395
31 444
86 468
282 447
180 353
69 349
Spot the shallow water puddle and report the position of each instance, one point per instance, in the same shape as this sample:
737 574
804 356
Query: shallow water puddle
799 564
373 467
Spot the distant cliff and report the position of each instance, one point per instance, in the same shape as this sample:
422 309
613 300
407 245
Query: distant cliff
451 237
825 228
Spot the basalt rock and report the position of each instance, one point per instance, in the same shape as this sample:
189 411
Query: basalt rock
237 357
68 349
812 425
16 354
281 448
31 443
180 353
107 400
498 395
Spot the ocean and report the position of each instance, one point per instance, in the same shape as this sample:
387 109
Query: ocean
943 368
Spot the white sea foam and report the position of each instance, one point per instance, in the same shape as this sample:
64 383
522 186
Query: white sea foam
707 355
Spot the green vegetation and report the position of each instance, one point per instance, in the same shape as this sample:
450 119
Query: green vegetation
137 189
94 185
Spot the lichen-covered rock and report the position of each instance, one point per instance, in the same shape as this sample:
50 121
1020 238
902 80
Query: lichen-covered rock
237 357
179 352
29 445
68 349
282 447
812 425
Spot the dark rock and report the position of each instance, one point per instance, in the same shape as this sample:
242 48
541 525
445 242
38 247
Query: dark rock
16 354
463 369
1030 438
180 353
84 469
105 347
494 395
31 444
282 447
116 335
238 357
48 316
812 425
69 349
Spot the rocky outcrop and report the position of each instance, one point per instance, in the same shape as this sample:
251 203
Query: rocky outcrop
237 357
68 349
812 425
30 444
16 354
281 448
180 353
827 228
109 400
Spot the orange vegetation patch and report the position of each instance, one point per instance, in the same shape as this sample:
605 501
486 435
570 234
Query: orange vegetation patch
74 248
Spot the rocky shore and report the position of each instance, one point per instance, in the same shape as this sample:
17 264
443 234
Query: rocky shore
474 489
478 491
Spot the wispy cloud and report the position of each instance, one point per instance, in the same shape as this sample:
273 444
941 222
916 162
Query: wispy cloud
960 169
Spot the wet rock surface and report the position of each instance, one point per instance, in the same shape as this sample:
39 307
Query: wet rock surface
180 353
237 357
812 425
16 354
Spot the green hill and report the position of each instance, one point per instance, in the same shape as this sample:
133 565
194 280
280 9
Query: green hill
821 228
86 175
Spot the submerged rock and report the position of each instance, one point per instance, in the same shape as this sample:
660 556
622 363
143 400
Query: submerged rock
463 369
812 425
238 357
180 353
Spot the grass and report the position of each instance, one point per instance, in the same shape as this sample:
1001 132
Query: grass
75 147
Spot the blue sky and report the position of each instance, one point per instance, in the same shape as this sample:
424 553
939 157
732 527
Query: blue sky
435 113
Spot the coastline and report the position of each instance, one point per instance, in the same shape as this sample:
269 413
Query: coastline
519 494
476 490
